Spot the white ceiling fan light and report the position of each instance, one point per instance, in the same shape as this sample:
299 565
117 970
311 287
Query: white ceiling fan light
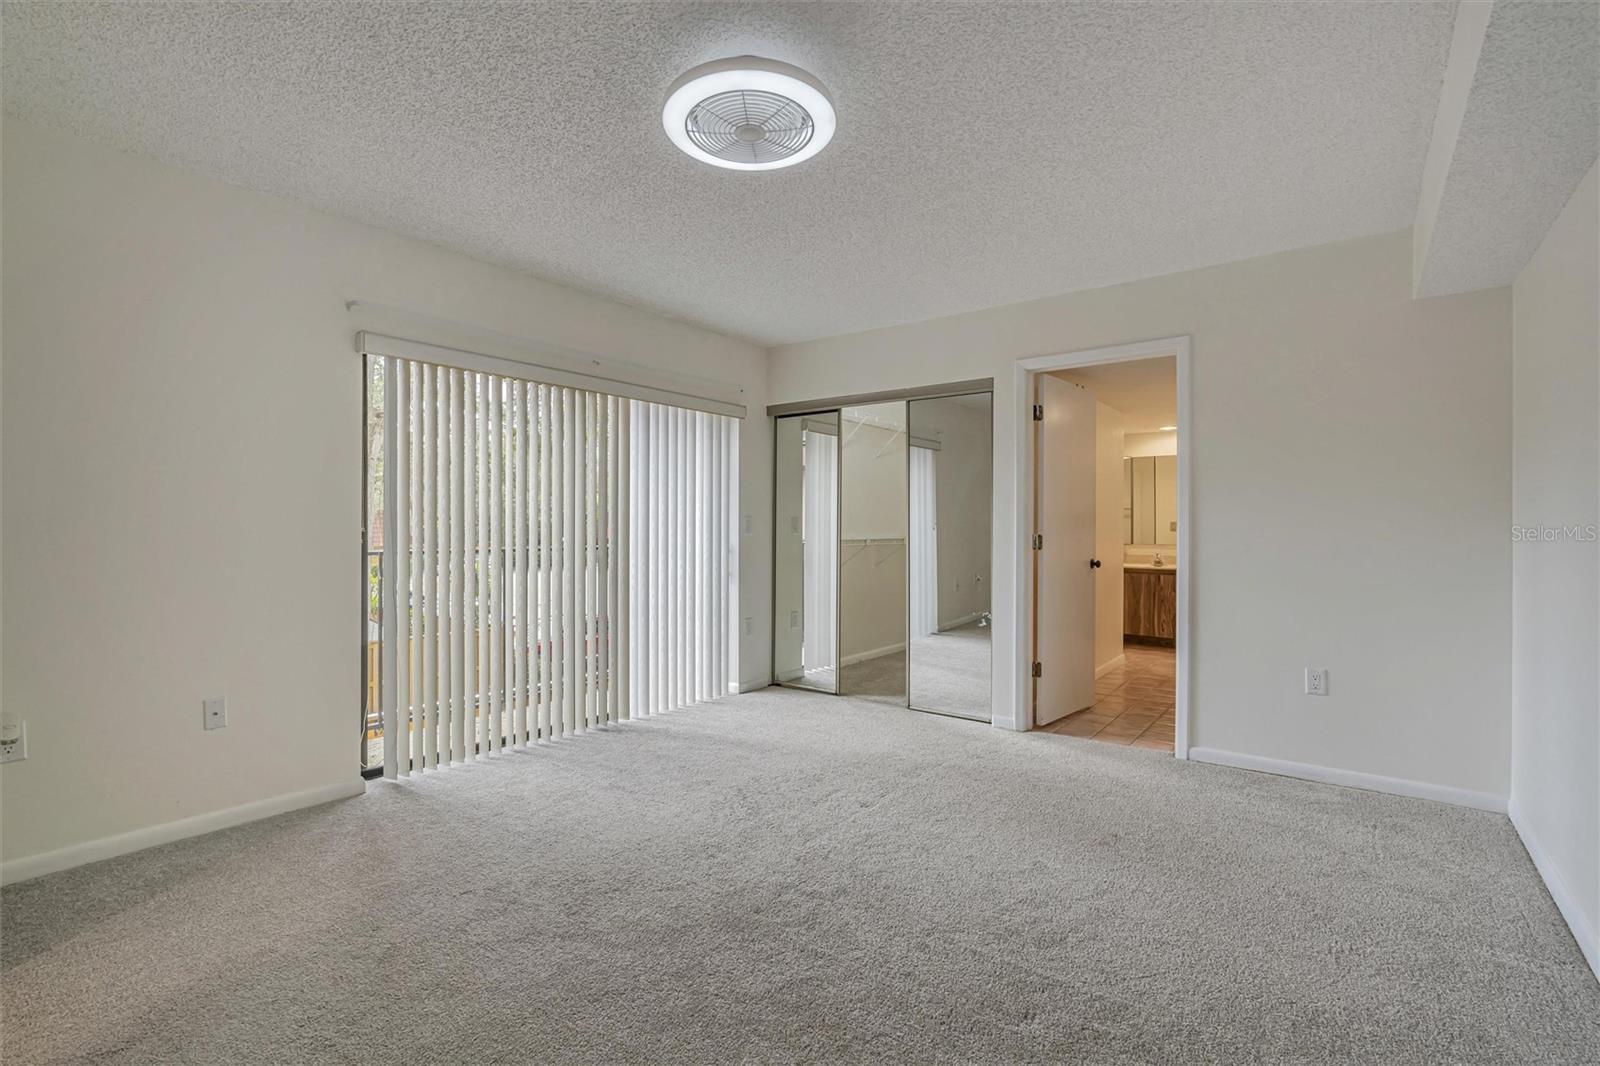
748 113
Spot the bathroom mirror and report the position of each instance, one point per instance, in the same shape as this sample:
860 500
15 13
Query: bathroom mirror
805 550
950 476
872 551
1150 499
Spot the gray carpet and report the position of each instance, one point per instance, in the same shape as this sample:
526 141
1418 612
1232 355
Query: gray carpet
788 877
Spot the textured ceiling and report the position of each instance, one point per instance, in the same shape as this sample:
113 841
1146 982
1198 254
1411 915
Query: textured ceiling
987 153
1529 132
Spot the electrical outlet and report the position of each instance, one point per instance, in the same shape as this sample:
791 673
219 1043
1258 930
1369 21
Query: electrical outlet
214 713
794 619
13 739
748 624
1316 681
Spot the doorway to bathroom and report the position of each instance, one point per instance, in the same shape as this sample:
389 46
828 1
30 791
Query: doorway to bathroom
1105 573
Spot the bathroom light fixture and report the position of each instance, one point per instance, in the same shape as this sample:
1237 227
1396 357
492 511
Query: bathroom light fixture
748 113
1168 429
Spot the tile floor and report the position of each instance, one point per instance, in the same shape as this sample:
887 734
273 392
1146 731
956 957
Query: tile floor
1133 703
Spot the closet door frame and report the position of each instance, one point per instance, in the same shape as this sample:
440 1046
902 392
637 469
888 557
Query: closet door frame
835 405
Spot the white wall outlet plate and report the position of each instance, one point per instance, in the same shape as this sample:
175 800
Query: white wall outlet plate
1316 681
215 713
13 739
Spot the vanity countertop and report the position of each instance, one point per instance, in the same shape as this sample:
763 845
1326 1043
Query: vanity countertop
1146 568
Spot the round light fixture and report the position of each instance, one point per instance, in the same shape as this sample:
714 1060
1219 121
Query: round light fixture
749 113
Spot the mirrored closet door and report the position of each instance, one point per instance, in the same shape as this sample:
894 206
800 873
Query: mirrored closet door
950 508
872 552
881 552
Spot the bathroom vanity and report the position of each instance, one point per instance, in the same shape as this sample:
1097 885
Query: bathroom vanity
1150 603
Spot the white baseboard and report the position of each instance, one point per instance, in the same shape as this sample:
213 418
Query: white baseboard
1396 786
1109 665
957 623
875 653
1557 886
49 862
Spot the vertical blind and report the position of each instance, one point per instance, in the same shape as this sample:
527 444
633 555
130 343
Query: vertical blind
924 576
819 533
553 560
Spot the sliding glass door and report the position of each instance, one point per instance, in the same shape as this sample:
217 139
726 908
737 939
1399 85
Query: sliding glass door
541 560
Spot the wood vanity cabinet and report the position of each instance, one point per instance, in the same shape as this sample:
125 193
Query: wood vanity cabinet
1150 605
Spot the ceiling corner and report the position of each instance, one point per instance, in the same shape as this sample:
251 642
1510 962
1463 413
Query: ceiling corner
1518 126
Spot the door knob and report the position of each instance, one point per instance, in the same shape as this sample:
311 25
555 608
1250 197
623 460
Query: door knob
1094 564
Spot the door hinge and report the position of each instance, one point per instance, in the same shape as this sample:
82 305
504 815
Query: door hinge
1038 412
1038 669
1038 542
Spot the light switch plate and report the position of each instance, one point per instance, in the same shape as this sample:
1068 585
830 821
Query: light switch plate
215 713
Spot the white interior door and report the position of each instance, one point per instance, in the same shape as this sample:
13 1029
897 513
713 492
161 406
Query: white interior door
1064 443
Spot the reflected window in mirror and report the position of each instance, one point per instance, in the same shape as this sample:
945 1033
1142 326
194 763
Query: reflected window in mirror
806 551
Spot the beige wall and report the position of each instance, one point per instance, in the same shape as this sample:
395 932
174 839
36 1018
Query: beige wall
1314 372
182 454
1555 775
872 602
